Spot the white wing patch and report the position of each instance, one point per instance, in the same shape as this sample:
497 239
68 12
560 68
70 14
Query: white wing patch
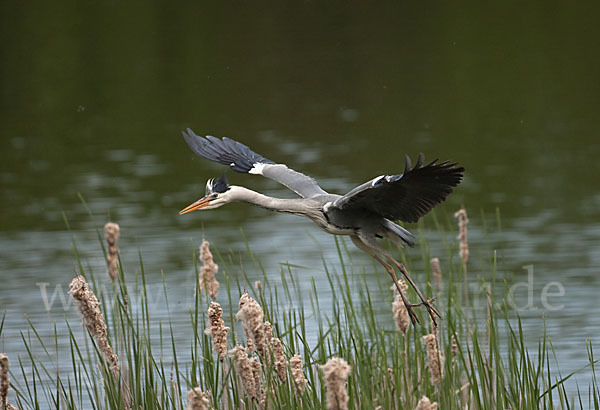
257 169
377 180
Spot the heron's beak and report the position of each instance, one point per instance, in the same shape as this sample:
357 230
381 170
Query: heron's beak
201 203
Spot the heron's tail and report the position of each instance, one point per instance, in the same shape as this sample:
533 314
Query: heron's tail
398 234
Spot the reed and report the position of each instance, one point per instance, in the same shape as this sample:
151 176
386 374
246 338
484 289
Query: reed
308 346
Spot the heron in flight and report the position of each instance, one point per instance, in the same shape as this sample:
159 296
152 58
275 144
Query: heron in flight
365 214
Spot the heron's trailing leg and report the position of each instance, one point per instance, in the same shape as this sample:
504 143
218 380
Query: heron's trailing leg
409 307
425 302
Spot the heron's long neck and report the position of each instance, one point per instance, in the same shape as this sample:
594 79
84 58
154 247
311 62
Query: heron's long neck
294 206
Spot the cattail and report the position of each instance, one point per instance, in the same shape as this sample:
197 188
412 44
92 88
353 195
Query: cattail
88 306
217 329
399 309
454 348
250 347
336 372
258 386
297 374
267 330
268 335
280 362
208 270
244 368
111 234
461 214
4 380
437 273
435 359
197 400
251 315
426 404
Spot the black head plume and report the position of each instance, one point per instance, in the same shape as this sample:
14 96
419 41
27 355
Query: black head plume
218 185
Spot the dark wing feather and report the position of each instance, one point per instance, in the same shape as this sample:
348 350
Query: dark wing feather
408 196
225 151
242 159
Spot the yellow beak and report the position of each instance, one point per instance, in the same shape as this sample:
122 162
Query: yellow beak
201 203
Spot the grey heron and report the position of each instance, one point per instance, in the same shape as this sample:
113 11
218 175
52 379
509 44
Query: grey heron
365 214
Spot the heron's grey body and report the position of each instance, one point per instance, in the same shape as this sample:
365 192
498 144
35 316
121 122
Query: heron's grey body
365 226
366 213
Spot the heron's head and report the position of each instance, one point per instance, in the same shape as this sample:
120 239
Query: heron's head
216 195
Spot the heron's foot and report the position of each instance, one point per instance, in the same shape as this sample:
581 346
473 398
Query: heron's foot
425 302
414 319
430 309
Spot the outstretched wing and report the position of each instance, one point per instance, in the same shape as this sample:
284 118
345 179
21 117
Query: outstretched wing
407 196
242 159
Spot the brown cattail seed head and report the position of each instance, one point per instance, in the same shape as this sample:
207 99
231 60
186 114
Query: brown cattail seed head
244 369
297 374
111 234
217 329
335 372
435 359
197 400
267 330
454 346
252 315
280 362
463 220
436 272
399 311
268 335
209 268
250 347
258 386
4 380
426 404
89 307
